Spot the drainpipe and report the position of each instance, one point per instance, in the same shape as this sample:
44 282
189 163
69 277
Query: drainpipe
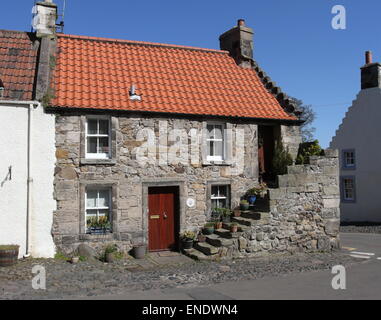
29 185
29 105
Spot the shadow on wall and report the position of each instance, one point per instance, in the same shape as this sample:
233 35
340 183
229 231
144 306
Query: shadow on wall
8 177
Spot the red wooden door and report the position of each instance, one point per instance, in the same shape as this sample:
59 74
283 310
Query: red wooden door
162 226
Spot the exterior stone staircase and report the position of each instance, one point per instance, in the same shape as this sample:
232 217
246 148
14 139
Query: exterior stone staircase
223 244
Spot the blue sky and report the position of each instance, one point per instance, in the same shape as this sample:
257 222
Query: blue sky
293 41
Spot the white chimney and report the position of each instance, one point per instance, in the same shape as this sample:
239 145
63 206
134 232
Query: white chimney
45 16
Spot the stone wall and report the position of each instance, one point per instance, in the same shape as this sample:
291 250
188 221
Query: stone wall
130 179
304 212
291 138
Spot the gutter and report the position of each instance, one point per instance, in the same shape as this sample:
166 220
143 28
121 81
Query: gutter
29 105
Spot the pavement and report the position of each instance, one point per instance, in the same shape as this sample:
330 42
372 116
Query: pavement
363 281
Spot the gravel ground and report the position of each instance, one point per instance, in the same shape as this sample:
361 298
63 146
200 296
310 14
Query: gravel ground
97 278
361 229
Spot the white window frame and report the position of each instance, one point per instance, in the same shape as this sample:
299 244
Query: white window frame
97 208
346 157
345 198
98 155
220 197
223 140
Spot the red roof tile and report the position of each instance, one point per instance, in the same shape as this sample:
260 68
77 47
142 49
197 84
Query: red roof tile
98 73
18 63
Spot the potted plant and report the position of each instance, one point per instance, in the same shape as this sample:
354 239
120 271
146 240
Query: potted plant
201 237
99 225
234 227
8 255
237 212
256 192
226 215
216 217
187 239
139 250
208 228
244 205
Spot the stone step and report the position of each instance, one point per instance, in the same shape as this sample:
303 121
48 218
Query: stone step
218 241
241 228
244 221
206 248
224 233
251 215
196 255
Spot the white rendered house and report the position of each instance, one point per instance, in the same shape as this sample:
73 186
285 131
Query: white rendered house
359 144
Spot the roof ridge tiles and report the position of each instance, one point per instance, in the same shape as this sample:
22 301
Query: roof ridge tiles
142 43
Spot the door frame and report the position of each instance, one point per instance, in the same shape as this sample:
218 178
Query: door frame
179 215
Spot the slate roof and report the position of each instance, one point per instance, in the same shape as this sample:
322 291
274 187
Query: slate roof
97 73
18 64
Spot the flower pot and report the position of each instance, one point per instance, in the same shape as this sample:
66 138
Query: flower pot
9 255
201 238
237 213
139 251
219 225
208 230
187 243
233 228
252 199
244 206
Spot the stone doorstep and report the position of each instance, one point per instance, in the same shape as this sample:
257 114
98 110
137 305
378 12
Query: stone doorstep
196 255
244 221
206 248
217 241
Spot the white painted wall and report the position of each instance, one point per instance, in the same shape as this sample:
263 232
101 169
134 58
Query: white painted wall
13 192
361 130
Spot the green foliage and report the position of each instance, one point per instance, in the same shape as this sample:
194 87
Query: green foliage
281 159
256 191
101 222
308 149
9 247
111 249
60 256
48 97
188 235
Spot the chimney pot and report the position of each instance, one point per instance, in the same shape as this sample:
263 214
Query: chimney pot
368 57
241 22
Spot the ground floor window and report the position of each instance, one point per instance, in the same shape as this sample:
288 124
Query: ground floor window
98 210
348 189
220 196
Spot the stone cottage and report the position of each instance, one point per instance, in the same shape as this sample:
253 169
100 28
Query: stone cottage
150 137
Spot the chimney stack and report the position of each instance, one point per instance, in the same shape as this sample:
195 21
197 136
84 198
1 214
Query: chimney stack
44 22
239 42
370 73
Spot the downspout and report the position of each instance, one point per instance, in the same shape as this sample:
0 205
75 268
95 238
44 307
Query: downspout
29 185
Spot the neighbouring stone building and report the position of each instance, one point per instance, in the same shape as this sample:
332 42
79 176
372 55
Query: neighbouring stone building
149 138
358 145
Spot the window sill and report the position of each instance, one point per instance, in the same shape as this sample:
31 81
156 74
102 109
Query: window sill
96 237
217 163
348 168
98 161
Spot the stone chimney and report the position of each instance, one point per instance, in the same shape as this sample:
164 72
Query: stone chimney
45 18
239 42
44 23
370 73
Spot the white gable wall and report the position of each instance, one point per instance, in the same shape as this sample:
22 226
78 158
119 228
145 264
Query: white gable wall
13 189
360 131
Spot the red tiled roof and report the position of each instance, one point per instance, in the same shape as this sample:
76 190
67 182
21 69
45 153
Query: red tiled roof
18 63
98 73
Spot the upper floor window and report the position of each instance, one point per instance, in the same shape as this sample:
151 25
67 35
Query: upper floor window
349 159
98 138
215 142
